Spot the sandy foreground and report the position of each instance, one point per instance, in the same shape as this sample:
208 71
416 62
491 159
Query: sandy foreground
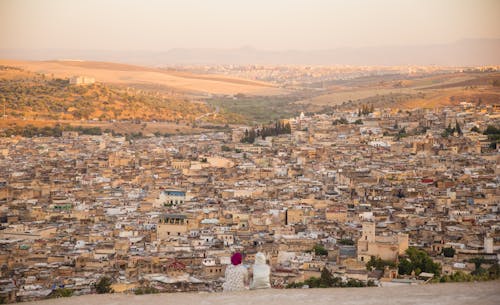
437 294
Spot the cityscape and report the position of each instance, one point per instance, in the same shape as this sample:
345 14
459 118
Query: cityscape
125 179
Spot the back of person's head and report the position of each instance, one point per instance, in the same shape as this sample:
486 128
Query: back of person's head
236 258
260 258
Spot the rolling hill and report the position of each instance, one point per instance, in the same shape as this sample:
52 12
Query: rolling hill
148 78
33 96
426 91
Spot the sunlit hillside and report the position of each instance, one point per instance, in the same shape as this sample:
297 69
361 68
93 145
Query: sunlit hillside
29 95
147 77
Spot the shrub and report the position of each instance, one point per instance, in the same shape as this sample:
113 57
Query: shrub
320 250
448 252
103 285
61 293
378 263
346 242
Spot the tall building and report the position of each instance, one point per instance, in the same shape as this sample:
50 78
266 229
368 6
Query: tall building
385 247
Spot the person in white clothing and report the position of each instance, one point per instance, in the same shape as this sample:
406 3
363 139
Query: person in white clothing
261 272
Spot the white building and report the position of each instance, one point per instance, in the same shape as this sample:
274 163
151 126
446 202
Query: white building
81 80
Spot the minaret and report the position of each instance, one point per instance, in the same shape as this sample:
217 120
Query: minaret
488 244
368 233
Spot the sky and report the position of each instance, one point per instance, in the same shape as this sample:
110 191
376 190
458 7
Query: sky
154 25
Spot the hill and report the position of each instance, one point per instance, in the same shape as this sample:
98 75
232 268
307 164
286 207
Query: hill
33 96
406 91
148 78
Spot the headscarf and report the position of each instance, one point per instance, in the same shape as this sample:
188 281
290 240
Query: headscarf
236 258
260 258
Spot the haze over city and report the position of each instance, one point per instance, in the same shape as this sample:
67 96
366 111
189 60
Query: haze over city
135 30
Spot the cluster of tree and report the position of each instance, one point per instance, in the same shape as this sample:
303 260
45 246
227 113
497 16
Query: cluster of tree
320 250
448 252
146 290
260 109
417 261
451 130
61 293
30 131
365 110
379 264
216 127
479 273
327 280
345 242
103 285
225 148
401 134
278 128
93 131
491 273
493 134
343 121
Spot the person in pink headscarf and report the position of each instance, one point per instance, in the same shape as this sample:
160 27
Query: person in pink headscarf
236 274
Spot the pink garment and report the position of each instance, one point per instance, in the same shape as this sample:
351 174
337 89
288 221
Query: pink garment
236 258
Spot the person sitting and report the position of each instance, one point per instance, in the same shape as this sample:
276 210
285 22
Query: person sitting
261 272
236 274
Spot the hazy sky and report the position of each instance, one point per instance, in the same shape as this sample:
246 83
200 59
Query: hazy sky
263 24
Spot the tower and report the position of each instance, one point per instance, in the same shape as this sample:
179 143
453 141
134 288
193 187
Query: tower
368 233
488 244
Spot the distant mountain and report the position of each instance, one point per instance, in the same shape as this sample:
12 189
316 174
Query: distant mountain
469 52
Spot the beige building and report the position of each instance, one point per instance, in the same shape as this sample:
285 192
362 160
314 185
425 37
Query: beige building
385 247
171 225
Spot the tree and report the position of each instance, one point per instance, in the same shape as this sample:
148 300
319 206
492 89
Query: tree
341 121
346 242
458 129
475 129
405 267
418 261
313 282
493 134
378 263
448 252
326 278
103 285
320 250
61 293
